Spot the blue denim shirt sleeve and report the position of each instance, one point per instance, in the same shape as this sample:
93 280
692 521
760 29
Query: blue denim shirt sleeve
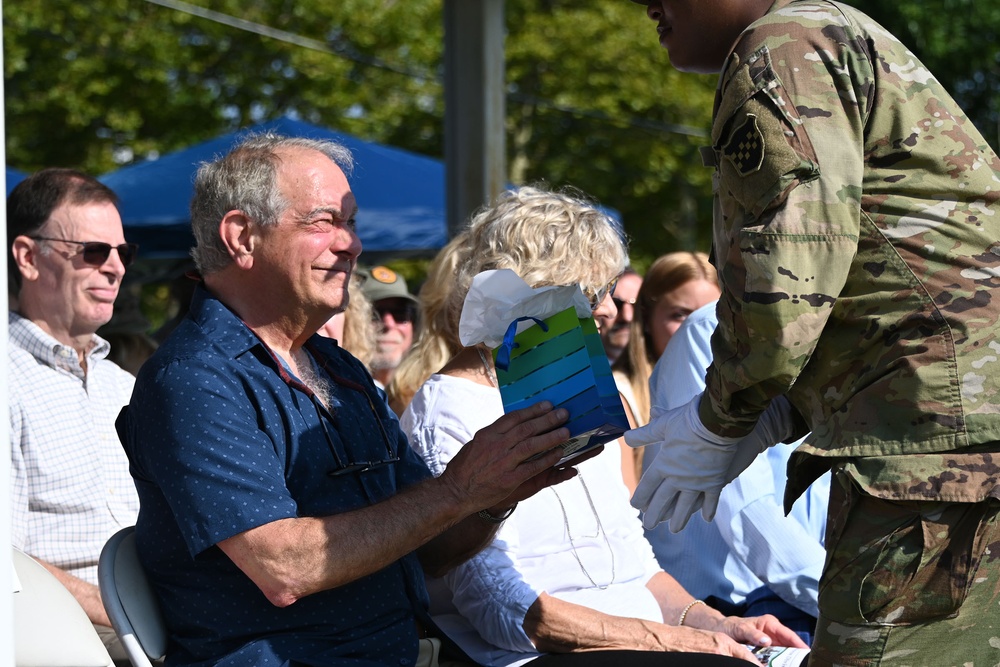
219 442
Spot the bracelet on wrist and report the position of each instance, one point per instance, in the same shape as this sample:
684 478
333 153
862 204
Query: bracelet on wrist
687 609
486 516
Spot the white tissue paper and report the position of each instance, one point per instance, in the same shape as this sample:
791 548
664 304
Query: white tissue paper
499 297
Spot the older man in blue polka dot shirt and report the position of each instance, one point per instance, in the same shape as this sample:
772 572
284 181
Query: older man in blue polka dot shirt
284 519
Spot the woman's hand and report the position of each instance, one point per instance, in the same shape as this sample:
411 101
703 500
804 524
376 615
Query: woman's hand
693 640
556 626
748 631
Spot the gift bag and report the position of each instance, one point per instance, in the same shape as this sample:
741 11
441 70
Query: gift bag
546 347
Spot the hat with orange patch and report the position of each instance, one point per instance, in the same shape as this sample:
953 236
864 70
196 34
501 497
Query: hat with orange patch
381 282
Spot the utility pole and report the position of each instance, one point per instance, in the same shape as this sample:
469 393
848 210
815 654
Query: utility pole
475 106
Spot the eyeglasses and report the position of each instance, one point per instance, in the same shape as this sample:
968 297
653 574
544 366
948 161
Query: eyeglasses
401 312
596 298
96 253
348 467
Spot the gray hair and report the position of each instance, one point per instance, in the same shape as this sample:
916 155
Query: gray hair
245 180
546 237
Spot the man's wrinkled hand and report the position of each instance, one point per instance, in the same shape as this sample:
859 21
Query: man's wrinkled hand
511 459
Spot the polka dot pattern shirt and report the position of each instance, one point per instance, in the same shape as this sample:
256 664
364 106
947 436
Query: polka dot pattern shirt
222 439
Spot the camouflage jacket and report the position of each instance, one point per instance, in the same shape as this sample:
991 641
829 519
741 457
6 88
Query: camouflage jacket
857 235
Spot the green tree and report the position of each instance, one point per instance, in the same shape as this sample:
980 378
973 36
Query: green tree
593 102
90 83
957 40
592 99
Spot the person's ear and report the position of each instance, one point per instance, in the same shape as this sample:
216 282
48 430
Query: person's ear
236 231
25 253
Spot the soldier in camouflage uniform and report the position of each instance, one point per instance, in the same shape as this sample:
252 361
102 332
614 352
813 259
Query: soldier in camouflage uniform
857 236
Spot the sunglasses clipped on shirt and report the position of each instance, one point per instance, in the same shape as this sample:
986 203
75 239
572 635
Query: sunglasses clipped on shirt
350 466
344 464
96 253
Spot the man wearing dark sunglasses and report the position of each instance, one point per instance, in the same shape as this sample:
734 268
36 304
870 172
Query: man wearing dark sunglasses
71 488
395 312
285 519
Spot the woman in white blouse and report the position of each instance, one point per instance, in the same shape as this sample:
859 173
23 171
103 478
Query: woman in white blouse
568 576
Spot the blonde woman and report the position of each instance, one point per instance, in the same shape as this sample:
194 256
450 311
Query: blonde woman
568 577
437 341
676 285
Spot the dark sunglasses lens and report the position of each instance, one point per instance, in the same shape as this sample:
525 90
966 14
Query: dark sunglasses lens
127 252
399 313
96 254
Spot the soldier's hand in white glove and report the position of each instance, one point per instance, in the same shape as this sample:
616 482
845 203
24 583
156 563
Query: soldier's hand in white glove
776 424
688 472
694 464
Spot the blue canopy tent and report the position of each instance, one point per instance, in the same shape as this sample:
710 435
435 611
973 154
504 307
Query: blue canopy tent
401 195
14 177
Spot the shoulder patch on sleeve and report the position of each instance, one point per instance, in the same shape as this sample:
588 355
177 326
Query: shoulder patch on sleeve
745 148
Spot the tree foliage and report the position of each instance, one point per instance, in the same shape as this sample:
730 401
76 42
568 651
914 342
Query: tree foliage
958 41
592 99
87 83
594 103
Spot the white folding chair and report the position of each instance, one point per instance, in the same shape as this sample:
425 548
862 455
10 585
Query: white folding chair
130 601
135 613
51 629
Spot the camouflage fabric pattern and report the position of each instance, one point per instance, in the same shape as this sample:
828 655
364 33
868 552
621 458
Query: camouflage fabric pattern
857 235
912 583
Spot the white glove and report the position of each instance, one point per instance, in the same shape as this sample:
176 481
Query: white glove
776 424
694 465
688 472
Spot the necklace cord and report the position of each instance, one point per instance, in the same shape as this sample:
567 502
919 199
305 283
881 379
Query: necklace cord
600 531
487 367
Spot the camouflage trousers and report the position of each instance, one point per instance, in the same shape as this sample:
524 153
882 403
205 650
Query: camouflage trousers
908 583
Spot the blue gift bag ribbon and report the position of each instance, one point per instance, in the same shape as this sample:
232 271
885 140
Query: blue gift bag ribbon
503 352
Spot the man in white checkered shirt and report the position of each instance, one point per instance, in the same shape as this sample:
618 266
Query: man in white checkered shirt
70 484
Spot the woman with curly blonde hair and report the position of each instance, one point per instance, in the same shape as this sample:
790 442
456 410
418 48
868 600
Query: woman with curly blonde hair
568 577
437 341
676 285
